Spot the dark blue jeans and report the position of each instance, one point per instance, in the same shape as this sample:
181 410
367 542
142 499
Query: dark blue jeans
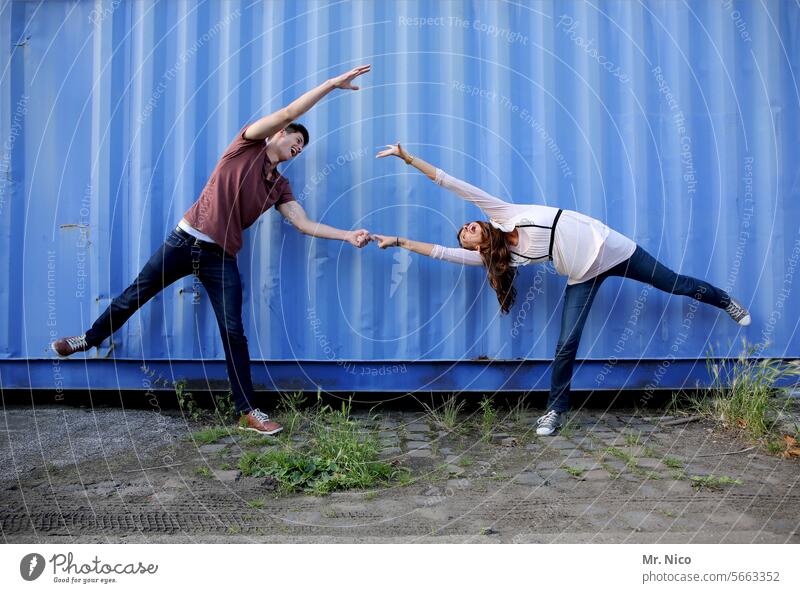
219 274
578 299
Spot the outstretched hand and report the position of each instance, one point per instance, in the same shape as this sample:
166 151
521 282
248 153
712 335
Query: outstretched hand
344 81
358 238
393 150
384 241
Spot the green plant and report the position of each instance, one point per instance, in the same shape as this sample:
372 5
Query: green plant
713 482
224 408
633 439
446 416
743 394
488 418
568 429
209 435
290 411
464 461
673 463
187 403
204 471
338 455
573 471
518 414
255 504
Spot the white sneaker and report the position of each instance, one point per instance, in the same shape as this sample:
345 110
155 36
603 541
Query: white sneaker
737 312
549 423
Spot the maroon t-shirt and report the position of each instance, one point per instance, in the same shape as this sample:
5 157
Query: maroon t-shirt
237 193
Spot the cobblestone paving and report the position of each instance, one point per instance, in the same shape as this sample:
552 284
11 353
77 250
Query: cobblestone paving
608 477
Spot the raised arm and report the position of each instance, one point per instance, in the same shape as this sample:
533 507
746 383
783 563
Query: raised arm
492 206
455 255
296 214
275 122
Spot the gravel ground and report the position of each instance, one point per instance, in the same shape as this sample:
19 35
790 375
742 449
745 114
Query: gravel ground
109 475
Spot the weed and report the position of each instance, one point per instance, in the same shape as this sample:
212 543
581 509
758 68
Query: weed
446 416
255 504
337 456
519 413
290 411
573 471
629 459
204 472
210 435
713 482
633 439
673 463
464 461
187 403
743 395
488 418
568 429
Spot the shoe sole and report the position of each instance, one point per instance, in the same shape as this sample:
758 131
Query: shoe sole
268 433
745 321
547 434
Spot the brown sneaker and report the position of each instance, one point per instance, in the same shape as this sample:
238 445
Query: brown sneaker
259 422
70 345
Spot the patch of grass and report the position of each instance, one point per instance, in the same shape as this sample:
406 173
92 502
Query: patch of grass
224 410
568 429
574 471
651 475
445 416
673 463
204 472
743 395
210 435
629 459
713 482
633 439
338 455
775 446
518 414
464 461
255 504
488 419
290 411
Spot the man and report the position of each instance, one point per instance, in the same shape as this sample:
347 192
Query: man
244 184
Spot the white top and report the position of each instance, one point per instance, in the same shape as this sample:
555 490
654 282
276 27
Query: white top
194 232
582 248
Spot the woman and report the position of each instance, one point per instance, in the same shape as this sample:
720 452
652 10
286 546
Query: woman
581 248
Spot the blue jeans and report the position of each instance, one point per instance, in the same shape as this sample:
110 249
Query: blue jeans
176 258
578 299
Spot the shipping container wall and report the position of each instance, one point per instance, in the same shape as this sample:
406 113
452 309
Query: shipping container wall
675 123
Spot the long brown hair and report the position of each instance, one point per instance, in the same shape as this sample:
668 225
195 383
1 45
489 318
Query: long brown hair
496 255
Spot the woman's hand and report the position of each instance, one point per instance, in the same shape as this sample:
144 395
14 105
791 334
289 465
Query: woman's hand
384 241
344 81
393 150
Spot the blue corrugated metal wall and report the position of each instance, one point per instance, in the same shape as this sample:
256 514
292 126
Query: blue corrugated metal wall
676 123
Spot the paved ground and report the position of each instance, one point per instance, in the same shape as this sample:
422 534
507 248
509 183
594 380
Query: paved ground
74 475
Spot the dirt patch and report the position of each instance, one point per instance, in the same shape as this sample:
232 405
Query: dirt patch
124 484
